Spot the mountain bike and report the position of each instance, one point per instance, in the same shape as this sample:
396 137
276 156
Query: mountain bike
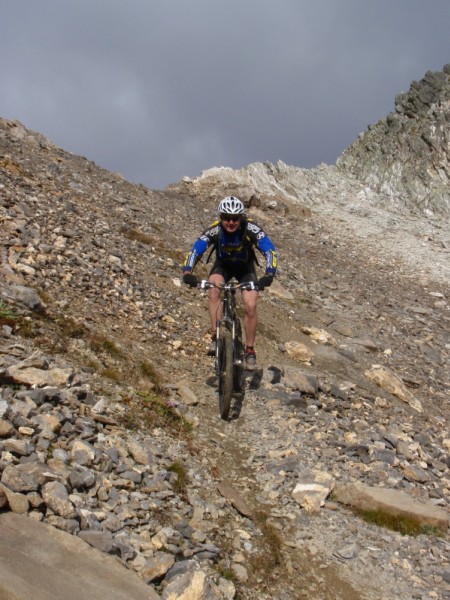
229 349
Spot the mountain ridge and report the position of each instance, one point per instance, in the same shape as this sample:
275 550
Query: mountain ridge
403 160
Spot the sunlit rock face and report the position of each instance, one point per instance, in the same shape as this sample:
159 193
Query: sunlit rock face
406 155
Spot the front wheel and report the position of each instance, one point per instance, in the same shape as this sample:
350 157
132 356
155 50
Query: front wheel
238 360
225 372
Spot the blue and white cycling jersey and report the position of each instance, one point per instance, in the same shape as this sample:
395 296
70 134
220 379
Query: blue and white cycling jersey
237 248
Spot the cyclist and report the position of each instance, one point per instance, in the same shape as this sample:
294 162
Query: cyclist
234 237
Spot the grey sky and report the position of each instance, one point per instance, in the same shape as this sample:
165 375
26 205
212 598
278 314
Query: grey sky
158 89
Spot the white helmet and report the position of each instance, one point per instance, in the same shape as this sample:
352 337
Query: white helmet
231 206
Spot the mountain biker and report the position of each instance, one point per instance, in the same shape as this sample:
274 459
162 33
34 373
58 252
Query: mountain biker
234 237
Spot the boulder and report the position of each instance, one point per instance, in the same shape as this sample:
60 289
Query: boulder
60 565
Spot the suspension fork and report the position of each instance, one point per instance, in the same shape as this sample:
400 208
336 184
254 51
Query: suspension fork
218 327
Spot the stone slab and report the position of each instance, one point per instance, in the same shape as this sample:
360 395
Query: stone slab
40 562
229 492
395 502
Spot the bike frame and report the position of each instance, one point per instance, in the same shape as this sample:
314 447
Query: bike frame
229 349
229 318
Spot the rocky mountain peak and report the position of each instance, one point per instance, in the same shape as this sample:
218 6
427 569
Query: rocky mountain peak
405 157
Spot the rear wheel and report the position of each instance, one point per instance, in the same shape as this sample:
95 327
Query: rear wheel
225 373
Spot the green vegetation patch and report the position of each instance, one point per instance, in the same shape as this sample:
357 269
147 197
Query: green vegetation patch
100 343
69 327
150 373
112 374
404 524
7 315
146 411
227 574
22 325
271 557
179 486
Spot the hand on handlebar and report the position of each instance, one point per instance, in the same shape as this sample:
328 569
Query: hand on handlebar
190 280
265 281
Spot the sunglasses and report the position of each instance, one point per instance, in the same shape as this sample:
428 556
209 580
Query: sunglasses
233 218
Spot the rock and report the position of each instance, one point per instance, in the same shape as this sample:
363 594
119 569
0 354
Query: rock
367 344
312 490
388 381
347 552
301 381
81 479
320 336
6 429
19 447
82 453
343 328
187 395
240 572
38 377
70 561
227 490
3 498
195 586
279 291
363 497
26 477
102 540
140 452
299 352
157 566
17 503
165 536
182 567
56 497
47 425
23 295
415 473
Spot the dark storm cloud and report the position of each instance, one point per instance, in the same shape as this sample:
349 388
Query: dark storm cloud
161 89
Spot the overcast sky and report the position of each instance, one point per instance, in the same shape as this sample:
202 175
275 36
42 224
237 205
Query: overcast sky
159 89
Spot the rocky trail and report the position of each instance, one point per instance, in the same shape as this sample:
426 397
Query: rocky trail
351 395
347 428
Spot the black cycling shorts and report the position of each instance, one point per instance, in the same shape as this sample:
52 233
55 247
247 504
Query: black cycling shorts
242 272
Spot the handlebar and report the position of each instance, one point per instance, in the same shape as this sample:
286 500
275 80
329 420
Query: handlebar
204 284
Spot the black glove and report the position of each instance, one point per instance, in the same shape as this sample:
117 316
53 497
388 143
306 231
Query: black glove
190 280
265 281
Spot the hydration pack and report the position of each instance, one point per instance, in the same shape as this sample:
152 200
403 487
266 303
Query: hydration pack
246 243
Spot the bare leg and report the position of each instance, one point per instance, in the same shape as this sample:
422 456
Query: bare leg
214 304
250 298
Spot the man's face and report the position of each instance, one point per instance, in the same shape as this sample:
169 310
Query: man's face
230 223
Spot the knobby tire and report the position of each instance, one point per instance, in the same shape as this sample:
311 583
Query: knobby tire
238 371
225 373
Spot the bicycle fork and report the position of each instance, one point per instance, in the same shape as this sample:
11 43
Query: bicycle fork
237 360
216 356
